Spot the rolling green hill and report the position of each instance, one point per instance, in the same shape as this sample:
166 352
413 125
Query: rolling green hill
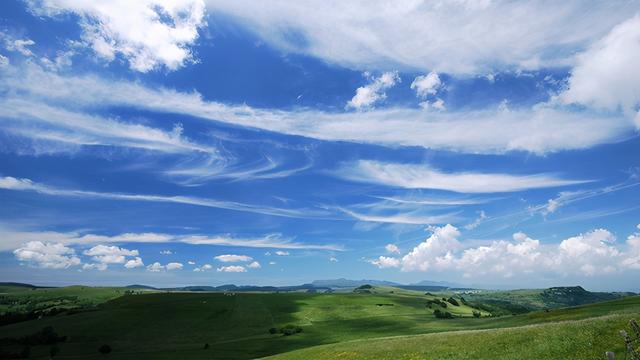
171 325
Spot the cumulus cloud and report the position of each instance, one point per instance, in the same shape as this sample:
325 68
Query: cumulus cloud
202 268
607 74
366 96
134 263
19 45
106 255
166 252
233 258
174 266
392 248
282 253
589 254
95 266
147 33
155 267
254 265
420 176
425 85
435 251
333 259
232 268
384 262
47 255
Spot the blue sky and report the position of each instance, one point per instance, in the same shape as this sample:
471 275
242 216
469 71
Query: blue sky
192 142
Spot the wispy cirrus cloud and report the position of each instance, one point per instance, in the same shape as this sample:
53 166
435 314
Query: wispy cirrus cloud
420 176
13 239
11 183
410 218
459 37
541 129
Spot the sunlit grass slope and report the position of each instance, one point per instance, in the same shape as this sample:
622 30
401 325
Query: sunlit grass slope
158 325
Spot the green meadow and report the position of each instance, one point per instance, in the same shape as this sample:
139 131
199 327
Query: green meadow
371 323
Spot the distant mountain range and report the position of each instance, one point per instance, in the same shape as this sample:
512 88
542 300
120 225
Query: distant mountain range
316 285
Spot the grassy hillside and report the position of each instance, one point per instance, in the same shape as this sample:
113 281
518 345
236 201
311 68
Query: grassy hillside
577 339
155 325
22 298
526 300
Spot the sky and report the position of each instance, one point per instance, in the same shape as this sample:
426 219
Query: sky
190 142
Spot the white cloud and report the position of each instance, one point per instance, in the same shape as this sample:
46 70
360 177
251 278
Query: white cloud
233 258
54 123
333 259
166 252
411 218
607 74
425 85
155 267
105 255
384 262
174 266
272 262
95 266
136 262
233 268
4 61
461 37
541 129
267 241
11 183
47 255
254 265
437 104
481 217
282 253
366 96
191 262
202 268
147 33
392 248
420 176
590 254
433 252
19 45
13 238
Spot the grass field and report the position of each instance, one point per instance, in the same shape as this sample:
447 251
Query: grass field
158 325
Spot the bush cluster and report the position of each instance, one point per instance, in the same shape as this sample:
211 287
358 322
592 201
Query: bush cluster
286 330
442 314
437 302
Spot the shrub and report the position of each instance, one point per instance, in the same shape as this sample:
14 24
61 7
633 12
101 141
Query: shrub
104 349
442 314
290 329
206 346
273 330
453 301
476 313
